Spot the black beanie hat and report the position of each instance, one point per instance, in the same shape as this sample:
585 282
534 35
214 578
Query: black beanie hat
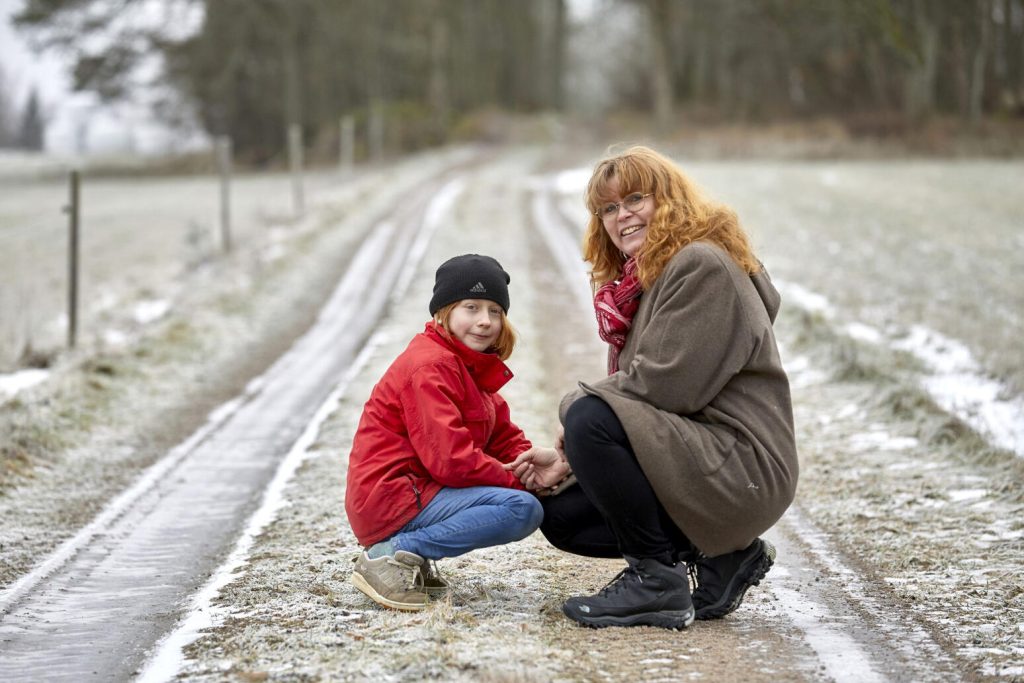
470 276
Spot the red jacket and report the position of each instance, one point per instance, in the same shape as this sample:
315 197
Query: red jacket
434 419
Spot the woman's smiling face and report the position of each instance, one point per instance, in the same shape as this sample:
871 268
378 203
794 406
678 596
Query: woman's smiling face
627 228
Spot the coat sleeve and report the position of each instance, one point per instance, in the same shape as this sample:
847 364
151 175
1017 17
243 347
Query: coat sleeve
507 440
699 337
439 435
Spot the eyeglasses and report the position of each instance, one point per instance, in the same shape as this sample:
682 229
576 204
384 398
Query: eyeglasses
633 203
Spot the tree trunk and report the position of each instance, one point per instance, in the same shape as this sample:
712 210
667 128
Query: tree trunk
919 83
977 85
292 77
553 30
440 104
661 64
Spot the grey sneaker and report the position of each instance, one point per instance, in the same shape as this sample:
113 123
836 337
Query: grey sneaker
392 581
432 581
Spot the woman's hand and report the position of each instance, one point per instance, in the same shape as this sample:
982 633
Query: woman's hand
539 468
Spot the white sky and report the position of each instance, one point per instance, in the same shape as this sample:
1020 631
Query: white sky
22 68
76 123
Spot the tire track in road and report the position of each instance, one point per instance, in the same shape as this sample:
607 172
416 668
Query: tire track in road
96 607
844 634
167 658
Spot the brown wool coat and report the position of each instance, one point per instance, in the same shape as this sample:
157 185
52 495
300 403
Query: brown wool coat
704 399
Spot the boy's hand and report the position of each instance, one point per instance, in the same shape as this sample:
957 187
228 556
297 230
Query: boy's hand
539 468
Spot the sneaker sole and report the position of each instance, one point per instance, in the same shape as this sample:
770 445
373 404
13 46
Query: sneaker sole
759 566
359 582
675 620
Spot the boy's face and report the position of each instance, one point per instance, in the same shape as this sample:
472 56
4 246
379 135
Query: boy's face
476 323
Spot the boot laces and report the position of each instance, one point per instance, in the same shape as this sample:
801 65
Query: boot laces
702 590
415 573
619 581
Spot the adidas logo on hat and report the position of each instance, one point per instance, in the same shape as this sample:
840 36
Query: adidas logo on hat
470 276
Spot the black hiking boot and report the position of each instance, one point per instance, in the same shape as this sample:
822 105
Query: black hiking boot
723 581
645 593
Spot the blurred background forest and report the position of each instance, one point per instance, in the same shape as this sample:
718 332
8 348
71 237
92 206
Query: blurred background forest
442 70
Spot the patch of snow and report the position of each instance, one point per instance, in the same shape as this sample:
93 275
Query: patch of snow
849 410
862 332
14 382
841 656
148 310
881 440
956 380
967 494
572 181
115 339
802 373
958 385
1011 672
1004 535
805 298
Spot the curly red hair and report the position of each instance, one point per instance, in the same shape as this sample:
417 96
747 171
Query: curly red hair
682 215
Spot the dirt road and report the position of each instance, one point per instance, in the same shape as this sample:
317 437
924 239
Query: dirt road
900 561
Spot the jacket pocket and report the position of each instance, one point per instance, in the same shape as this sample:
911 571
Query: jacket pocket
416 491
478 423
710 446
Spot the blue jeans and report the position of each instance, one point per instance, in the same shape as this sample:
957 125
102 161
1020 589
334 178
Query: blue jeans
456 521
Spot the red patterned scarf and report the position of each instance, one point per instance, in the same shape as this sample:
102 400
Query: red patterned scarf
615 304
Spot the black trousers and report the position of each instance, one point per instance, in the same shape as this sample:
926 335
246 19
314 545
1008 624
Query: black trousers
613 511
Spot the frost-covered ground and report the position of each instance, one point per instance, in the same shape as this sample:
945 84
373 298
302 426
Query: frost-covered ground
922 511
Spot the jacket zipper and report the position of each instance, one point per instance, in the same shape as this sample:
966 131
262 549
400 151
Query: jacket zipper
419 502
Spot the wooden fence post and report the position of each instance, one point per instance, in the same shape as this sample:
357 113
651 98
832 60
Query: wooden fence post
223 148
376 131
295 162
73 209
347 143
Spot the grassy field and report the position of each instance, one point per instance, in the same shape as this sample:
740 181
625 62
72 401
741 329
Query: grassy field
139 239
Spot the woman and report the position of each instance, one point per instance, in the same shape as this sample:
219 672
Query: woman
685 452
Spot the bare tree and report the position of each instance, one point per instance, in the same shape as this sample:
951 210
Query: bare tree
659 18
32 129
7 111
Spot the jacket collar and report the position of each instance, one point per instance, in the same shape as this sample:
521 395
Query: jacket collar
486 369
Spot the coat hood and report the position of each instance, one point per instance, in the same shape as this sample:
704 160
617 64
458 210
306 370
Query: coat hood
766 290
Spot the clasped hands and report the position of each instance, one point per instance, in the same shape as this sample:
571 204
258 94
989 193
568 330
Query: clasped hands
541 469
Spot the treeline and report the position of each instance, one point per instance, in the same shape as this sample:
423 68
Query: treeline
897 59
250 67
422 63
